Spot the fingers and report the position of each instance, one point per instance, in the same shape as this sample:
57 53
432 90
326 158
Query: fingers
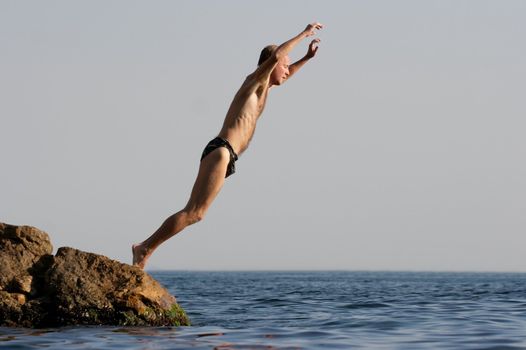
313 48
314 43
312 27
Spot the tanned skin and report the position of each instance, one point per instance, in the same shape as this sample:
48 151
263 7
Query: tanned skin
238 128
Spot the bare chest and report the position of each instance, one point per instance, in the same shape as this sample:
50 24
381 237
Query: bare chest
256 103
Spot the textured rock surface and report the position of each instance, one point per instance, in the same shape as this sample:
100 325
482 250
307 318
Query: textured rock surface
75 287
21 247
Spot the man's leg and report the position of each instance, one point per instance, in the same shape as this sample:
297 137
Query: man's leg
209 181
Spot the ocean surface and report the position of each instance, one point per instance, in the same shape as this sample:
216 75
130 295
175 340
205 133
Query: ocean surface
317 310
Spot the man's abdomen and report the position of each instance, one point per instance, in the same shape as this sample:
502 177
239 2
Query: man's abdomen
239 134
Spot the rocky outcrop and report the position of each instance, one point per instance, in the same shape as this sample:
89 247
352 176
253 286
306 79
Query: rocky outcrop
20 248
73 287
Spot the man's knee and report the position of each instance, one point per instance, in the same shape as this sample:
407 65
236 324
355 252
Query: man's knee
194 215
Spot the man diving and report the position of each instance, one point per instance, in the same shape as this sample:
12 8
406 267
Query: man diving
219 156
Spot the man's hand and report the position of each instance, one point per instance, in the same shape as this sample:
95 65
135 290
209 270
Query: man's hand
266 68
313 48
310 30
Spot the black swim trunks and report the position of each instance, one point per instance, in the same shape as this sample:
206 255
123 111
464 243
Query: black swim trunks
220 142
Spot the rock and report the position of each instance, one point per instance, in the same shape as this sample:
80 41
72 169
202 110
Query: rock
19 298
20 248
21 284
10 310
75 287
93 289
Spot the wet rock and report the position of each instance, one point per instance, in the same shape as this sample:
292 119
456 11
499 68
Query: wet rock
75 287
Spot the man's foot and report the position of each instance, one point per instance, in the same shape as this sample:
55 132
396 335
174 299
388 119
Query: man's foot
140 255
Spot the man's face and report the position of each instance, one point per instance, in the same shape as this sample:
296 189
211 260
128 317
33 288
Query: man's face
280 72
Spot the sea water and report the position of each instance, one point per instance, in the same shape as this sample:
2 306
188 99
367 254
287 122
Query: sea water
317 310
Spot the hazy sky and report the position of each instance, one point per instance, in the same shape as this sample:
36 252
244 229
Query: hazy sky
401 146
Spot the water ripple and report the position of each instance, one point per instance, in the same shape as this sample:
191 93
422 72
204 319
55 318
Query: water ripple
321 310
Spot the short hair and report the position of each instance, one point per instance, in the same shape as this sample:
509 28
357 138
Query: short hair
266 53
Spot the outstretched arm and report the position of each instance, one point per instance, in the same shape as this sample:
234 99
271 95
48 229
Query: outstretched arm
264 70
287 46
311 52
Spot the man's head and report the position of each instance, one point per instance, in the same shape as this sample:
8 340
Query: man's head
281 71
266 53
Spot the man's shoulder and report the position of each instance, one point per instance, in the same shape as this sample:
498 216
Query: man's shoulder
254 85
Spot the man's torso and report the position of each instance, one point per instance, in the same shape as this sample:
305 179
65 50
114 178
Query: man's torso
245 109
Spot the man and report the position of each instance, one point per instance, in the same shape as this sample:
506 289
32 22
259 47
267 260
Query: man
219 156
